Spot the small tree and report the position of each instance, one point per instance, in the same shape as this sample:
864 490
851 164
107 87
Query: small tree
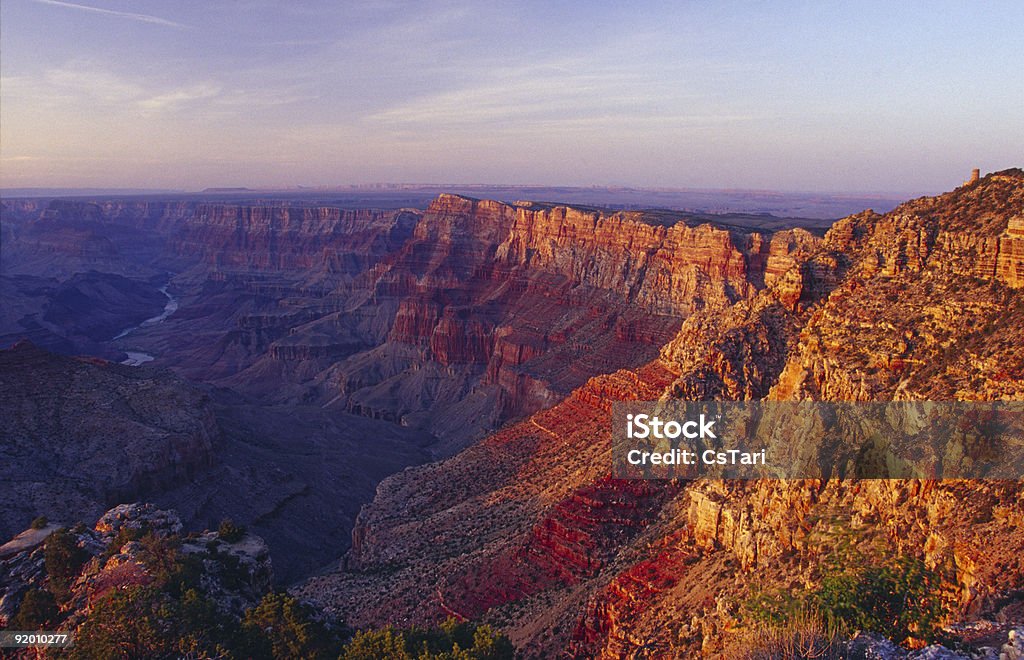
38 608
40 522
63 559
229 532
287 629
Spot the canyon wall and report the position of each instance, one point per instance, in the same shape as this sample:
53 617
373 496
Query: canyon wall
380 334
453 319
526 530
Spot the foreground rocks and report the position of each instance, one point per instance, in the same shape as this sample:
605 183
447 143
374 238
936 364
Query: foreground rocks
235 573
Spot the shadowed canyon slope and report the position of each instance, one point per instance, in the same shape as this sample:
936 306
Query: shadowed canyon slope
526 529
81 435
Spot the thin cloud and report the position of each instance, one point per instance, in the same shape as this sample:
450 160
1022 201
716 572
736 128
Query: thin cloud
561 90
175 97
85 85
141 18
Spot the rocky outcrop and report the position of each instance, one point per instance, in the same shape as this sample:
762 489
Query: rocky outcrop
233 573
1010 263
140 518
924 288
907 305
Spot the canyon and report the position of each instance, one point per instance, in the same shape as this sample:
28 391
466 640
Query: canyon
323 348
414 404
470 310
526 530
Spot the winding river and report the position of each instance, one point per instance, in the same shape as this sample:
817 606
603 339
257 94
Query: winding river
136 358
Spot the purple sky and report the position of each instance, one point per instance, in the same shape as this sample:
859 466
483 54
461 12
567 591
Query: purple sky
819 96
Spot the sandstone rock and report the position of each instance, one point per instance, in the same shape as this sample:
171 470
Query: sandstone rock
1010 263
883 307
138 517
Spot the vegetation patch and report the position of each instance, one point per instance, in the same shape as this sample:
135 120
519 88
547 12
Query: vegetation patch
900 599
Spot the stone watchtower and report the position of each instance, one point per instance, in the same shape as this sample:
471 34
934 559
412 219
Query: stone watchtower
975 176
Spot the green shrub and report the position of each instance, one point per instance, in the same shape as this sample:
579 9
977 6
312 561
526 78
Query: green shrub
37 609
63 560
229 532
282 627
898 600
40 522
453 640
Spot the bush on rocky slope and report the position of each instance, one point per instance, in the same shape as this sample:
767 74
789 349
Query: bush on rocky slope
136 586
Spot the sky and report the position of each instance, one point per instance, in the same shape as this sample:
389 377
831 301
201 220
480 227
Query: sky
800 96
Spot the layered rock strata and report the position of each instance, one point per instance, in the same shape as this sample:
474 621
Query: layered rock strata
907 305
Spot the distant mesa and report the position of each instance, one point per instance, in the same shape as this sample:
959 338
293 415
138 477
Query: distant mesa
227 190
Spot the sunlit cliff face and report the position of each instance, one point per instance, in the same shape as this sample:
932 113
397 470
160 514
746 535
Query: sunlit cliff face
526 529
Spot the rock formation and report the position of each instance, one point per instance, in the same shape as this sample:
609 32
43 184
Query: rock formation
81 434
516 529
235 572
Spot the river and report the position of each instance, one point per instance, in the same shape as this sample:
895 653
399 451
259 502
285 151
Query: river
136 358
